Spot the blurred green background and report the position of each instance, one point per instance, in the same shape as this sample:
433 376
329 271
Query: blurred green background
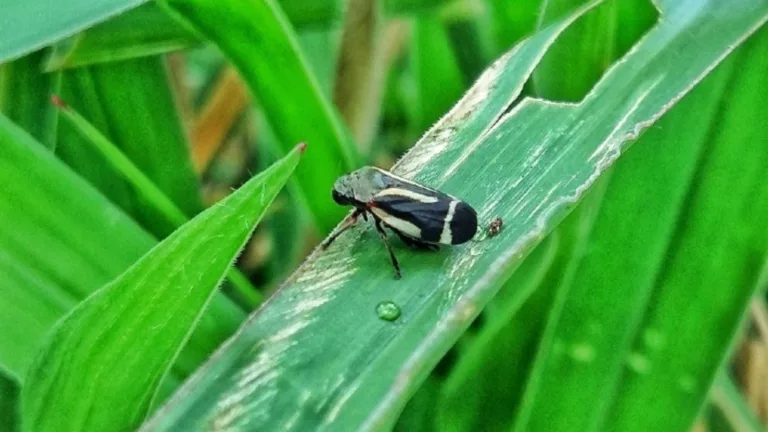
173 105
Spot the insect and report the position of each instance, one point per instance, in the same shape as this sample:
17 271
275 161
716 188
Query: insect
494 226
422 217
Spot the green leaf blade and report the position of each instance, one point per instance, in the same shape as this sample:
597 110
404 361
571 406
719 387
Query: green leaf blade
325 360
131 103
60 240
261 44
24 93
28 26
436 70
144 31
140 320
641 208
713 265
147 30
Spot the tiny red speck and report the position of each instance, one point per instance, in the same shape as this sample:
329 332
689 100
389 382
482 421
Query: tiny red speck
302 147
56 100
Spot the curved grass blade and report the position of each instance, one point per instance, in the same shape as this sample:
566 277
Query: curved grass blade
485 387
24 90
730 401
9 415
103 362
144 31
439 79
317 356
713 266
30 25
627 249
259 41
148 30
132 104
60 240
147 190
487 383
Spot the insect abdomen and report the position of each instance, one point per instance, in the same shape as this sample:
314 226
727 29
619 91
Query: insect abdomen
463 224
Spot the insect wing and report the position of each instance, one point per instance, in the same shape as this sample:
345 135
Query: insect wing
425 214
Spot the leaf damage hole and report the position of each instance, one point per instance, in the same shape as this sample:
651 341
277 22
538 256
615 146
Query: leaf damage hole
587 49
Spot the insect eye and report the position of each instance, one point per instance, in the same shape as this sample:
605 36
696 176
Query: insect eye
339 198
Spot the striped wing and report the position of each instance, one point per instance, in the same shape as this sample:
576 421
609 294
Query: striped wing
425 214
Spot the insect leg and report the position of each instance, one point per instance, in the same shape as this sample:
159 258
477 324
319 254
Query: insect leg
344 226
383 235
415 243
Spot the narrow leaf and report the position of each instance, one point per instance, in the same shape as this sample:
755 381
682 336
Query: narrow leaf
487 384
24 90
640 210
259 41
144 31
713 265
728 398
60 240
122 164
147 31
325 359
27 26
146 189
132 104
9 416
361 70
436 71
103 363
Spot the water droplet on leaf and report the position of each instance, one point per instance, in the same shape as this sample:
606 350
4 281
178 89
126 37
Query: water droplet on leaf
388 311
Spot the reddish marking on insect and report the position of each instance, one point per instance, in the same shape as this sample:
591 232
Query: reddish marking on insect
371 204
56 100
302 147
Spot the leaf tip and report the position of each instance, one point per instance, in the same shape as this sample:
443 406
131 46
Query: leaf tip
56 100
301 147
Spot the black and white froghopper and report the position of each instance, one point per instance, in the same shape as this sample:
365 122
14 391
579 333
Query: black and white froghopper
422 217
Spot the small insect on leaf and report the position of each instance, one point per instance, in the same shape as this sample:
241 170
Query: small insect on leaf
494 226
422 217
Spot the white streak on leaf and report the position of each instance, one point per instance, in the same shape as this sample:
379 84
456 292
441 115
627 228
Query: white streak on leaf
437 138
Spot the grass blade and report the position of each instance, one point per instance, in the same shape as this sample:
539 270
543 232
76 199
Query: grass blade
727 397
698 302
53 256
439 79
30 25
486 385
648 177
258 40
132 104
122 164
24 91
361 70
325 359
147 189
9 417
144 31
148 30
79 381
